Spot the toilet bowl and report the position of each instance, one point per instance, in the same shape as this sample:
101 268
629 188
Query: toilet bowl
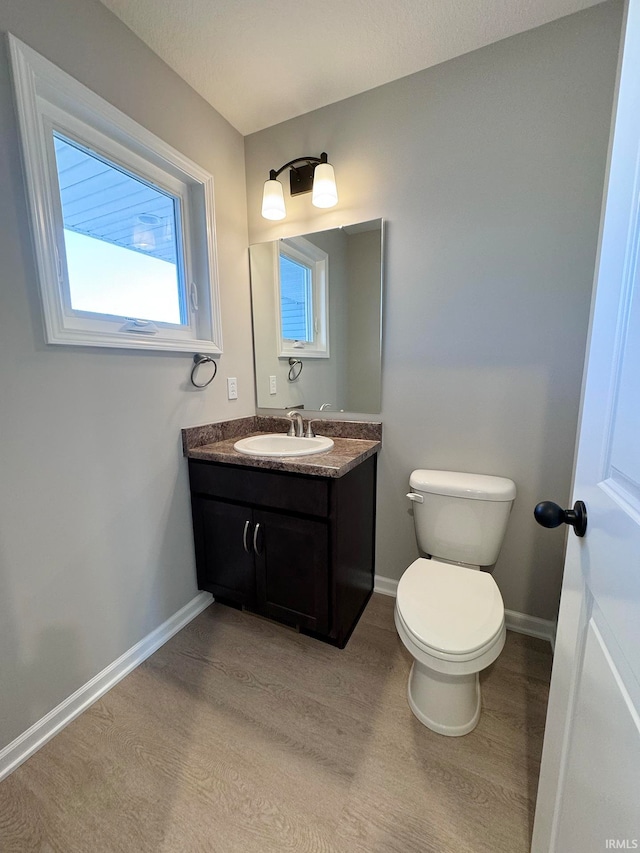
451 620
448 613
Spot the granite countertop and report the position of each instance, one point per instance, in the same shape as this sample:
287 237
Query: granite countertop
354 441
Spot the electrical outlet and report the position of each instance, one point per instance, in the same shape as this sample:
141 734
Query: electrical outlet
232 388
272 385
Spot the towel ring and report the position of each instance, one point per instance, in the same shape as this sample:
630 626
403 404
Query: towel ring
293 375
199 359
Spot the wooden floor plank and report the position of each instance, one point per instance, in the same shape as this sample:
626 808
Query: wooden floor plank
242 735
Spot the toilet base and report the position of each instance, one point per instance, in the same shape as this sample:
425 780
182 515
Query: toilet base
446 704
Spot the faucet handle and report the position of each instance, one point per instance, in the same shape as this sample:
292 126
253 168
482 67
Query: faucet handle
309 433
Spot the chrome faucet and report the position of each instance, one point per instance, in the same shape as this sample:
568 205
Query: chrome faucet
325 406
297 424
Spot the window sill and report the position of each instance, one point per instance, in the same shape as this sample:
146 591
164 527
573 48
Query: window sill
131 340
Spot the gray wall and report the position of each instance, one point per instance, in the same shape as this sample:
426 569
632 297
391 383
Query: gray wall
489 171
364 368
323 379
95 532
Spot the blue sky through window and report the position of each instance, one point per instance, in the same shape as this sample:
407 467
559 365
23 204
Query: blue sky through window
120 240
295 300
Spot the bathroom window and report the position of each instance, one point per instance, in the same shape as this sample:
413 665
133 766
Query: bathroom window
122 224
123 256
302 299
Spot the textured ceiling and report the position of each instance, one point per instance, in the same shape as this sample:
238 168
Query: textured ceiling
260 62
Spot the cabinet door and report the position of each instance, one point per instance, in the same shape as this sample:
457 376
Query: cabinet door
224 552
292 559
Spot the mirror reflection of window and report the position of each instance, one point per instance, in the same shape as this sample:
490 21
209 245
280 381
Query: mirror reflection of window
296 299
302 299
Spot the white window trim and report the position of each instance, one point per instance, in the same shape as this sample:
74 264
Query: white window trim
307 253
47 99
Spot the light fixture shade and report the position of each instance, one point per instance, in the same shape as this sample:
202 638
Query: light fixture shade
325 193
273 201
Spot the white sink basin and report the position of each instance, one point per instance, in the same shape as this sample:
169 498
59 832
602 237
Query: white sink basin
277 444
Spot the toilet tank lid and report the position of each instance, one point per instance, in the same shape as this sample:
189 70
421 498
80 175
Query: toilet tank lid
479 487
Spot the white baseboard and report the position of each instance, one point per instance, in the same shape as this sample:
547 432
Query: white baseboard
532 626
26 744
385 586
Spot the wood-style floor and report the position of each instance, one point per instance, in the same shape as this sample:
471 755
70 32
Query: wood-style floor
241 736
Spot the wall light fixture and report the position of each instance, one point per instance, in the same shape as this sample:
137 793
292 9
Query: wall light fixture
307 174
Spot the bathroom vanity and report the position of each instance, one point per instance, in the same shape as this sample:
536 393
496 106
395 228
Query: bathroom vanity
291 539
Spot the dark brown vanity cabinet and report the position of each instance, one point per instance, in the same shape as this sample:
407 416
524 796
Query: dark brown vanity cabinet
295 548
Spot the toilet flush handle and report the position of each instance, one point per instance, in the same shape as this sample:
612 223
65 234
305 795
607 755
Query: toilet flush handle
415 497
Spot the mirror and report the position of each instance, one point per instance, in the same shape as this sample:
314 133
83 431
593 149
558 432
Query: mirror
317 319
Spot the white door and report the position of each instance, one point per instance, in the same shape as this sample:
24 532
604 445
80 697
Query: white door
589 793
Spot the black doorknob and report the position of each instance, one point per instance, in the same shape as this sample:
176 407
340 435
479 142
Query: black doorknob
549 514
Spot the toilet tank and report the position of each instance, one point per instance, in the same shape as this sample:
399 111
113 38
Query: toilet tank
461 517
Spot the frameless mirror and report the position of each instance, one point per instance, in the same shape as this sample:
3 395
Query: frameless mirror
317 319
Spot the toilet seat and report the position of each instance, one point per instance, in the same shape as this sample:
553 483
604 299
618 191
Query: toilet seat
450 612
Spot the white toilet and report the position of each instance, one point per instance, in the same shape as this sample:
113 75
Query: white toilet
450 617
